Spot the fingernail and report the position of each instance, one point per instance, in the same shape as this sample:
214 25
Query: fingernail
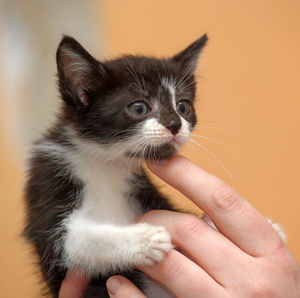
113 284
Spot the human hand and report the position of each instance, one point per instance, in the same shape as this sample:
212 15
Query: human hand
73 285
245 258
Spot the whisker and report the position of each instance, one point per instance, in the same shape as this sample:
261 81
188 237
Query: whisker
135 142
142 157
186 75
132 71
212 155
186 86
141 143
218 142
125 130
213 127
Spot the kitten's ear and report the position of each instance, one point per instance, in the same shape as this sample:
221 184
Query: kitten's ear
189 56
78 72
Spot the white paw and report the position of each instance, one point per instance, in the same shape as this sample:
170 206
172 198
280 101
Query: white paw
153 244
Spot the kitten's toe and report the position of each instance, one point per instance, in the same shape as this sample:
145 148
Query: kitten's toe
155 243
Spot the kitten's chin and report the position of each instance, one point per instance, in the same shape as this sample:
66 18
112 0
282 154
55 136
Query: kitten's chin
161 152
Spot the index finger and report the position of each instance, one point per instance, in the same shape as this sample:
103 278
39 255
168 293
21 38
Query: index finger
233 216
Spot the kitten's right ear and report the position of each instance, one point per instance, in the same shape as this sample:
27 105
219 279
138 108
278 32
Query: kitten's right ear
78 72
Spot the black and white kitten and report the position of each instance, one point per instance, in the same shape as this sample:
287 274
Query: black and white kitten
86 183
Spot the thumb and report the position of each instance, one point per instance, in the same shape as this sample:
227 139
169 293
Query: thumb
73 285
120 287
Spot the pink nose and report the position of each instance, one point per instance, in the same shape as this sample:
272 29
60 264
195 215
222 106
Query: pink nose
174 127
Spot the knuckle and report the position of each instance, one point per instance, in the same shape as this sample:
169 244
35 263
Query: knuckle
261 289
225 198
146 217
285 262
151 213
187 225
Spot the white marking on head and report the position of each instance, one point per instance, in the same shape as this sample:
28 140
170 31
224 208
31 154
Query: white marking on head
169 84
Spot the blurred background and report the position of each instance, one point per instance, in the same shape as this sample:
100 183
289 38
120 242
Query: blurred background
248 99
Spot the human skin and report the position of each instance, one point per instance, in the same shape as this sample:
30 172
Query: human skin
244 258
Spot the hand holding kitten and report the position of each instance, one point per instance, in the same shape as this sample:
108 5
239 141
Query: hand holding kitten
247 258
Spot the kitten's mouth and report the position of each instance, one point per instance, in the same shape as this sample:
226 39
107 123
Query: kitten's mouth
160 152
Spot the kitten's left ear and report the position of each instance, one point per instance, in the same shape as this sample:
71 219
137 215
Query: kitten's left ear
189 56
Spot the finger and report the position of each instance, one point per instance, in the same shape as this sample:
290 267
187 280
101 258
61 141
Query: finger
183 277
208 248
73 285
233 216
121 287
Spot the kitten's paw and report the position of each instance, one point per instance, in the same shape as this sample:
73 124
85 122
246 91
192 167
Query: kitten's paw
154 243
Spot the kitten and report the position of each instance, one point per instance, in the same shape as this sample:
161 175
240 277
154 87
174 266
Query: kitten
86 183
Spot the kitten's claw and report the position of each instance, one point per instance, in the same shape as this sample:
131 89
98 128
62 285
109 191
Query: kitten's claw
155 242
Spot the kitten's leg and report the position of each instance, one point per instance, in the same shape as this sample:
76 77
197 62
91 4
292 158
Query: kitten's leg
100 248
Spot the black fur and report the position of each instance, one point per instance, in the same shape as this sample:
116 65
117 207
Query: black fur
95 98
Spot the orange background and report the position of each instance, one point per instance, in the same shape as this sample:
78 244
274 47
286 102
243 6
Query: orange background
248 98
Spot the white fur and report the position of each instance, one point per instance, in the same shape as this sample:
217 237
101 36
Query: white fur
170 85
155 133
105 189
101 248
100 235
184 132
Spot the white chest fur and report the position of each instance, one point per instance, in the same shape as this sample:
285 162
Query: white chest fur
106 188
99 236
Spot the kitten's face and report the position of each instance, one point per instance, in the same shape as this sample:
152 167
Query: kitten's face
134 106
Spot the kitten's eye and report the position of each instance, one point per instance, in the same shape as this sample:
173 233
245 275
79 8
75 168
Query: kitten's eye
138 108
184 107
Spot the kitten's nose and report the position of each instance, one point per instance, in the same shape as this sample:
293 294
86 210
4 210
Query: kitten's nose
174 126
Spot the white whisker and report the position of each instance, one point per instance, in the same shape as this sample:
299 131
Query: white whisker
140 144
132 71
217 142
213 127
212 155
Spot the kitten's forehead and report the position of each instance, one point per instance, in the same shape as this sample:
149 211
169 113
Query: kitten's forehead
152 70
158 74
170 85
151 77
